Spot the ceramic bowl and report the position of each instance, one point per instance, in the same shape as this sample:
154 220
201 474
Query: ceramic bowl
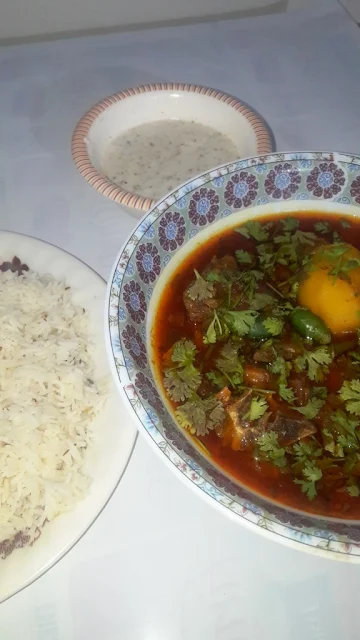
148 103
282 182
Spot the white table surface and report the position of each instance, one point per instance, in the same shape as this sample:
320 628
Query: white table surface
161 564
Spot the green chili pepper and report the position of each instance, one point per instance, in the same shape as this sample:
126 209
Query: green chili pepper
310 326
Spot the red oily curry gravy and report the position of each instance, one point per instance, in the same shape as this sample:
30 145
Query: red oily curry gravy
256 341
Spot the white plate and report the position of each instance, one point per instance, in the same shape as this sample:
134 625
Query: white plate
115 432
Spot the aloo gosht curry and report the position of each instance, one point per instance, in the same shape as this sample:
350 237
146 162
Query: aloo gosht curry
256 341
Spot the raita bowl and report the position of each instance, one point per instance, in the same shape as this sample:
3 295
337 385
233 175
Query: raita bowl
119 113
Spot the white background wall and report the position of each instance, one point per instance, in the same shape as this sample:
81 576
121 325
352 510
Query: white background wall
29 18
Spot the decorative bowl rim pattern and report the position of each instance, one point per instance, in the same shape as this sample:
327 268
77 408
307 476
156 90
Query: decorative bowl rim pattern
264 136
319 168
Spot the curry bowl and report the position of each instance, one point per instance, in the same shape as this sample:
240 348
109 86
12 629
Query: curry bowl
261 189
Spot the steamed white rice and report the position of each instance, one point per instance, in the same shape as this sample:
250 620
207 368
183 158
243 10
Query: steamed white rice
48 399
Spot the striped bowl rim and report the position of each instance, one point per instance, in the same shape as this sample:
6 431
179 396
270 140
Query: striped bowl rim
264 137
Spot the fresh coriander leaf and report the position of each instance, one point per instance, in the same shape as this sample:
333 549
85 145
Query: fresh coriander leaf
309 488
215 276
286 393
258 407
290 224
348 442
315 362
215 331
355 356
229 364
239 322
305 450
211 337
183 352
294 289
250 280
177 389
268 444
304 237
333 252
335 449
200 416
201 289
298 237
261 300
322 227
311 474
350 394
320 392
243 257
345 224
229 359
217 378
274 326
351 461
279 366
336 238
353 488
255 230
181 380
312 408
181 383
346 423
267 256
283 309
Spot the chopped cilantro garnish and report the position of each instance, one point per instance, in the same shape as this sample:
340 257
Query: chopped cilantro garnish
268 444
261 300
353 488
350 394
255 230
215 331
286 393
312 474
258 407
200 416
312 408
230 364
320 392
279 366
345 224
343 421
239 322
183 352
183 378
304 450
314 362
201 289
322 227
290 224
217 378
273 325
330 445
243 257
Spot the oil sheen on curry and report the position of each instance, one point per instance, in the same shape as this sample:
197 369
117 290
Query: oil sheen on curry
256 341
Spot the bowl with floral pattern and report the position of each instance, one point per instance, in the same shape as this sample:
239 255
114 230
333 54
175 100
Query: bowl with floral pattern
234 193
